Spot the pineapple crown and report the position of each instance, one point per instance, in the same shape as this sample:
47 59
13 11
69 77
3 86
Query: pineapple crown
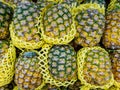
29 54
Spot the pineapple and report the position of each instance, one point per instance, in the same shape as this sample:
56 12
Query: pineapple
27 73
24 30
57 24
90 23
111 38
115 58
7 61
58 65
94 68
5 18
62 62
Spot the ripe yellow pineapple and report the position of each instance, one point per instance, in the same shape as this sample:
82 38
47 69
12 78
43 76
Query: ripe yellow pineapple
27 73
57 25
115 58
5 19
94 68
7 61
24 30
111 38
90 23
58 65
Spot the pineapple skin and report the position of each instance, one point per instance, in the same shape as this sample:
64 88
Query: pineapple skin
115 58
94 68
27 73
5 19
111 37
90 24
62 62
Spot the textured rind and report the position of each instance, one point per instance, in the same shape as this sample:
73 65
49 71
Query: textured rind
22 44
42 81
84 7
7 67
45 69
90 6
38 88
64 40
81 55
112 43
117 84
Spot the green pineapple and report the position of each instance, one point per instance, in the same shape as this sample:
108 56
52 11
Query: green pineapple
57 24
24 32
90 23
62 62
58 65
115 58
27 73
5 19
94 68
111 37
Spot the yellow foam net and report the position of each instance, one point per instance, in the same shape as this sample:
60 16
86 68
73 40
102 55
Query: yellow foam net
63 40
111 5
45 69
89 6
21 43
81 55
113 88
7 66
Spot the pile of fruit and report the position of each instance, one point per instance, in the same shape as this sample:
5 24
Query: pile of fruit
59 45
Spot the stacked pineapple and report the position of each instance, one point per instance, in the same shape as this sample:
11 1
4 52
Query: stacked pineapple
90 23
57 25
94 68
58 64
24 30
27 73
7 50
111 38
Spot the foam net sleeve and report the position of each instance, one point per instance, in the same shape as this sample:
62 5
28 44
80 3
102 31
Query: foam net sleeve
111 5
90 6
81 55
7 66
63 40
45 71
